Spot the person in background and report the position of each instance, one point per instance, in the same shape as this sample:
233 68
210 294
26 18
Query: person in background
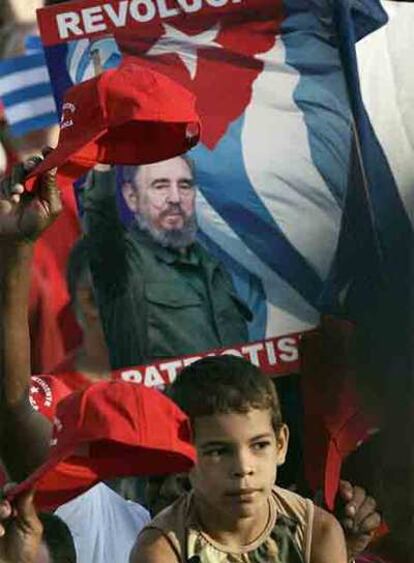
24 432
89 361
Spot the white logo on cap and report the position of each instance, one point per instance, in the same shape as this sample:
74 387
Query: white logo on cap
41 395
67 110
192 131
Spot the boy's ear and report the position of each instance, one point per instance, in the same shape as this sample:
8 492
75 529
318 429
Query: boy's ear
282 442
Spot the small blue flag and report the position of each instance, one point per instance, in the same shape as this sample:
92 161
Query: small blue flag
26 93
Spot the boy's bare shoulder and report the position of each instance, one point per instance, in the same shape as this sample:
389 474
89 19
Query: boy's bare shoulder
152 546
328 542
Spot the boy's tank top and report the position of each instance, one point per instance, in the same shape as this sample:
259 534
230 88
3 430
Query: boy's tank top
286 538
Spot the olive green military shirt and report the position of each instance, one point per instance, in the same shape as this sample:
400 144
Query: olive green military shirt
155 302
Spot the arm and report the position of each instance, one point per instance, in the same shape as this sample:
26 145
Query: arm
105 232
24 433
152 547
328 543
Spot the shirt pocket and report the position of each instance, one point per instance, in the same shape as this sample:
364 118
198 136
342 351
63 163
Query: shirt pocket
177 322
166 294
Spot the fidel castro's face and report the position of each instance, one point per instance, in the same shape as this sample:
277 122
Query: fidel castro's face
166 193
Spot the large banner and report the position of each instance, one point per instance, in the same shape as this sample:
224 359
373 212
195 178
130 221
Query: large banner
262 193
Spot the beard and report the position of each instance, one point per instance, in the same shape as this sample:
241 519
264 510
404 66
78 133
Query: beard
170 238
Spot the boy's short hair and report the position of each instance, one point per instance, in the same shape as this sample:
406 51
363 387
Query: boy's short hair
224 384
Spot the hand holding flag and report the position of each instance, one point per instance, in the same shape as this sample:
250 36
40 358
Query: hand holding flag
25 216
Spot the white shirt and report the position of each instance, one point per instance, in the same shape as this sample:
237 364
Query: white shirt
104 525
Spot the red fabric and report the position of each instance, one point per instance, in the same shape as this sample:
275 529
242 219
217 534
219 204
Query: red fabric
110 429
46 391
46 340
100 117
335 422
67 365
72 334
65 230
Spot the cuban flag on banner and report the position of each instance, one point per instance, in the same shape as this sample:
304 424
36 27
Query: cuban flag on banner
284 134
26 93
81 54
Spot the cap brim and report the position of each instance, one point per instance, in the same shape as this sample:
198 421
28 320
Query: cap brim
58 481
69 163
36 478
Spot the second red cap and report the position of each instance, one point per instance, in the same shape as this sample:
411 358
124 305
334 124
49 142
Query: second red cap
111 429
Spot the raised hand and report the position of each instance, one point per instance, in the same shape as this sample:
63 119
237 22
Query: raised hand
24 216
20 530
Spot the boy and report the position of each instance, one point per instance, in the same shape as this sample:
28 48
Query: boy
234 512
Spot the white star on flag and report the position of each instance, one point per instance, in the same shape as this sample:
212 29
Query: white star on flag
185 46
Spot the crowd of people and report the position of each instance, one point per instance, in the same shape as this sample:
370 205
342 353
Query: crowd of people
209 469
228 505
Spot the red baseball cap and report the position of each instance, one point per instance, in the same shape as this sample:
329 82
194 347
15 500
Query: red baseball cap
111 429
46 391
127 115
335 421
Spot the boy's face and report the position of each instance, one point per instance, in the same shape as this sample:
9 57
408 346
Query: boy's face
238 454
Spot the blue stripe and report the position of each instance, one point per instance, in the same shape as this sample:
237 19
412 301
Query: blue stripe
34 123
312 48
25 62
229 192
321 94
367 16
27 94
390 217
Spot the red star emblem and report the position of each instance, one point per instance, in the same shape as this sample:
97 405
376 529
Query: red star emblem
214 57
